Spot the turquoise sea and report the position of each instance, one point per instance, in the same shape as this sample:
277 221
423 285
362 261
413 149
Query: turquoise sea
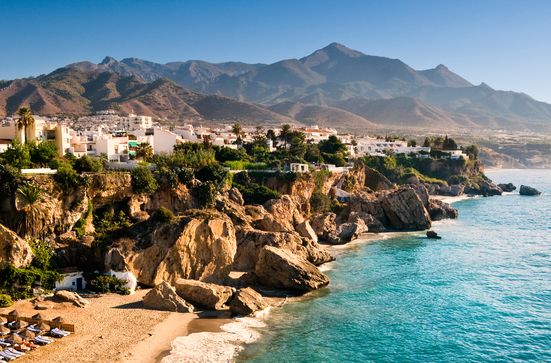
480 294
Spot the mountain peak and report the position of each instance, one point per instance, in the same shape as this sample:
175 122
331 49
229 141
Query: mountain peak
339 48
441 67
108 60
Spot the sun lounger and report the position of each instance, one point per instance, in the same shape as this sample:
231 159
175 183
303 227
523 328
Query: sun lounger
33 328
42 340
59 333
3 343
7 356
14 351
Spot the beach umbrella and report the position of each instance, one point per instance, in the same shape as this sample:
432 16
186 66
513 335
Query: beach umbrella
4 330
3 320
19 324
58 322
37 318
42 326
27 335
13 315
16 338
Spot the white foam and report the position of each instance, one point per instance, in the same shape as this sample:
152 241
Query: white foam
220 346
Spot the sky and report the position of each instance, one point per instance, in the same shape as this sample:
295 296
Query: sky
506 44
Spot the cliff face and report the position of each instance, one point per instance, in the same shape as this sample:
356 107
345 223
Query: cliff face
200 247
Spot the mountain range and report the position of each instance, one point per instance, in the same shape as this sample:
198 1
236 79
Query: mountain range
333 86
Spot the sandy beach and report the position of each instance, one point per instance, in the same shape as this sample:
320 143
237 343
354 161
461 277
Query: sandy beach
113 328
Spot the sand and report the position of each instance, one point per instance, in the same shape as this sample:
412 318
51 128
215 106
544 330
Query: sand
114 328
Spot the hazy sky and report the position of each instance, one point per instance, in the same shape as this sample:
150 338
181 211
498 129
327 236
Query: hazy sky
506 44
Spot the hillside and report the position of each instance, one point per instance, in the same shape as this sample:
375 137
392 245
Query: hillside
84 89
334 85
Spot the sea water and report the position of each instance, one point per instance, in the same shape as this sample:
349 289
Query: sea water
480 294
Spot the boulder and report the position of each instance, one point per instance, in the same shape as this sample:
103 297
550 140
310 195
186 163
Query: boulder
439 210
433 235
376 181
453 190
405 211
509 187
246 301
251 242
13 249
351 230
526 190
277 268
235 195
306 230
373 225
202 294
325 227
199 246
485 188
283 215
72 297
164 297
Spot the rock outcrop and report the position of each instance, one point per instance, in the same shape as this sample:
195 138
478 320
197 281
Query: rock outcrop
283 215
376 181
246 301
305 230
251 241
373 225
13 249
453 190
351 230
508 188
72 297
204 295
405 211
325 227
439 210
199 246
164 297
526 190
280 269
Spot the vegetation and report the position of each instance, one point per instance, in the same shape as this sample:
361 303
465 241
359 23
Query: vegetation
5 301
104 284
25 121
253 192
143 180
67 178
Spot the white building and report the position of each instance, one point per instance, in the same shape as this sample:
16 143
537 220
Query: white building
71 280
134 122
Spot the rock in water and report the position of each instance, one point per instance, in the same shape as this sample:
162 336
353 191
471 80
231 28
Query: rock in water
278 268
246 301
73 297
509 187
164 297
526 190
13 249
201 294
433 235
351 230
405 211
439 210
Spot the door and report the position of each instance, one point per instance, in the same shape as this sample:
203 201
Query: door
79 283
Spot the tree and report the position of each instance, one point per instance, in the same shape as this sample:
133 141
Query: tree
285 135
42 153
412 143
144 151
25 120
272 136
313 154
297 146
238 131
332 146
449 144
88 164
472 151
17 155
143 180
28 197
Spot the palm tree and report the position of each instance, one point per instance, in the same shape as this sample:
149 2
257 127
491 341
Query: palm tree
28 197
285 134
237 130
26 120
144 151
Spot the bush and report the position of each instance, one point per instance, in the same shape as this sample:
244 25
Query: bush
205 194
18 282
228 154
43 153
104 283
163 215
43 254
5 301
214 173
17 155
10 179
254 193
67 178
143 180
88 164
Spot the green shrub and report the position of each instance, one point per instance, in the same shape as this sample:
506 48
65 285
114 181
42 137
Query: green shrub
67 178
163 215
43 153
214 173
17 155
143 180
43 253
80 225
104 284
88 164
18 282
5 301
205 194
